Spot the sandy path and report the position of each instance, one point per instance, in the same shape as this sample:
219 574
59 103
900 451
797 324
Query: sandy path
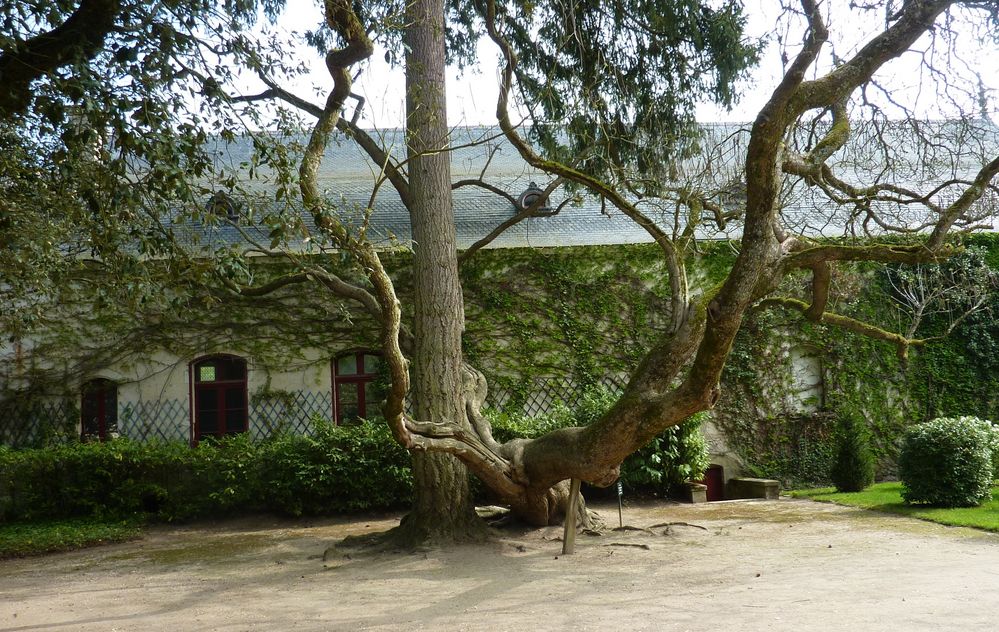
776 565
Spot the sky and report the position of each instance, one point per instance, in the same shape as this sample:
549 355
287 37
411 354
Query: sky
472 95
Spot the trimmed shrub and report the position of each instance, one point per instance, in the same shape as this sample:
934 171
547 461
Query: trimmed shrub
804 463
338 469
947 462
853 467
993 431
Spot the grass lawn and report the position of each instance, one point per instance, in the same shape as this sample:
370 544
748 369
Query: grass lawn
888 497
33 538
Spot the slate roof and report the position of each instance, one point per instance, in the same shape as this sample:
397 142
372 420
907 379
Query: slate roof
347 176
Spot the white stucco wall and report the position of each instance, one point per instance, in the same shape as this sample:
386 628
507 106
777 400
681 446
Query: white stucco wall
719 452
807 383
154 393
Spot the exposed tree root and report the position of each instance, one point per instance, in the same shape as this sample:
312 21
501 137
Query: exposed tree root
413 533
628 527
677 524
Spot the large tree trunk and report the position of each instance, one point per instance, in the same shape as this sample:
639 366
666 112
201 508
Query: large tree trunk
678 377
443 508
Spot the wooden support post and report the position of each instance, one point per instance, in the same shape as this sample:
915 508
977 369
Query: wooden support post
569 535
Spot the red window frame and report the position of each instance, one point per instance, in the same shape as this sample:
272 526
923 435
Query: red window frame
99 403
222 396
367 373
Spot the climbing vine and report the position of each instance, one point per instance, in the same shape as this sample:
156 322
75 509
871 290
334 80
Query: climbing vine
582 314
573 313
950 377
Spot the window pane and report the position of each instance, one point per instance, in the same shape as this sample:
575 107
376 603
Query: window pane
234 398
347 401
373 396
347 365
111 404
371 363
205 399
235 421
231 369
208 422
89 412
206 373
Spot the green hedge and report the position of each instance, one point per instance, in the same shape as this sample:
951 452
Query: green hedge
947 462
337 469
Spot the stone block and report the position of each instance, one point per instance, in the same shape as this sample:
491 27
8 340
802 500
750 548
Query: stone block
753 488
697 493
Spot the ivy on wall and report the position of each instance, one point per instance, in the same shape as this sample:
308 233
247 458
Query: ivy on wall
581 314
574 313
950 377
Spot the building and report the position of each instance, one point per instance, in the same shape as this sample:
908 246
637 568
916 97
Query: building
217 385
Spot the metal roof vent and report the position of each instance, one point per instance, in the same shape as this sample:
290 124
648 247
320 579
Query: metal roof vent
530 196
221 205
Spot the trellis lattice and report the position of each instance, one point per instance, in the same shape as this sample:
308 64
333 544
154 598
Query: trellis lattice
155 420
294 412
546 394
43 423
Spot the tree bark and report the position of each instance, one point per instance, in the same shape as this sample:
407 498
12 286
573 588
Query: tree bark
443 508
80 37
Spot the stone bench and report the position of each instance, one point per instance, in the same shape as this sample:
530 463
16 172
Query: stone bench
752 488
696 492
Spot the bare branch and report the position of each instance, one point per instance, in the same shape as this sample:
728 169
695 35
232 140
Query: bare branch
531 211
350 128
341 17
901 343
807 257
963 203
821 276
916 18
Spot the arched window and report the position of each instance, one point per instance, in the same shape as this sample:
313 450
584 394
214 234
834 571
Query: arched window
356 392
219 390
98 409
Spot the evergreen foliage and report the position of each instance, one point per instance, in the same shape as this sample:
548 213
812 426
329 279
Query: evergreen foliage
853 468
678 455
620 83
947 462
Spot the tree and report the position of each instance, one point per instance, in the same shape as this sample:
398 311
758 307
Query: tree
853 465
609 91
680 375
442 486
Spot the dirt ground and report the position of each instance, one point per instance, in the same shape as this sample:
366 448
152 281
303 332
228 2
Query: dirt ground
759 565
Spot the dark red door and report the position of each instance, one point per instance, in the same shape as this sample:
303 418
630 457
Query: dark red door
714 478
